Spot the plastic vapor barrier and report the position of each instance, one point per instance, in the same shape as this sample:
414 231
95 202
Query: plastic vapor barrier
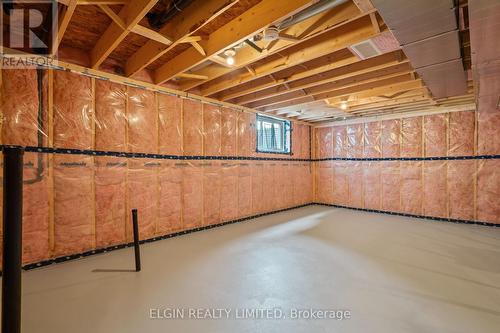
435 165
80 201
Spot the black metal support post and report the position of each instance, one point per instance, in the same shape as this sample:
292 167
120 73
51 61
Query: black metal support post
136 241
12 238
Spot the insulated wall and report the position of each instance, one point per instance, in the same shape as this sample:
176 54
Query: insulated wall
410 165
82 201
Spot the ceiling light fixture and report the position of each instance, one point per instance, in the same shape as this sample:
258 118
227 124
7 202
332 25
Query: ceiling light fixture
343 105
230 53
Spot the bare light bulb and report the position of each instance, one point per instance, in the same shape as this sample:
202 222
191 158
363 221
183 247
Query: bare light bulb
230 56
230 60
343 105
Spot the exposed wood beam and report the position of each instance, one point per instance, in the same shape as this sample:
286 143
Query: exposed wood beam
351 70
184 24
385 84
320 46
200 49
310 68
138 29
364 5
329 86
151 34
330 20
63 21
373 18
191 76
242 27
130 14
112 15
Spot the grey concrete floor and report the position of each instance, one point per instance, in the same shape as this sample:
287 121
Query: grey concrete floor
393 274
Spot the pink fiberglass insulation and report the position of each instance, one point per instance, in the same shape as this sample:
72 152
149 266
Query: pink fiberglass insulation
110 114
143 194
170 197
372 137
296 179
411 187
19 107
73 204
193 128
371 185
391 138
324 139
340 183
246 145
435 189
73 113
339 141
257 187
411 137
488 125
192 189
488 193
324 182
435 135
35 208
142 119
269 182
391 186
110 200
211 192
354 140
229 193
279 184
211 130
170 124
461 133
229 132
461 189
244 189
297 140
287 200
355 181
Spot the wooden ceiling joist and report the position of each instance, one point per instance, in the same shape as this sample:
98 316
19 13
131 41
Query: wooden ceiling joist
95 2
305 30
130 14
378 86
351 70
242 27
178 29
367 77
293 73
320 46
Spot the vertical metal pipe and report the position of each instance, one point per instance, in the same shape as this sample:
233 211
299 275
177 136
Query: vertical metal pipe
12 238
136 241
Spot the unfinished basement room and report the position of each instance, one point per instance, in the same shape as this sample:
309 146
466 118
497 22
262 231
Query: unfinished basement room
250 166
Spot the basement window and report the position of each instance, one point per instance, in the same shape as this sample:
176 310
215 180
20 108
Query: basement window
273 135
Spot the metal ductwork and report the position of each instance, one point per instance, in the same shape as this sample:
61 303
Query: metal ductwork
157 20
428 33
309 12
